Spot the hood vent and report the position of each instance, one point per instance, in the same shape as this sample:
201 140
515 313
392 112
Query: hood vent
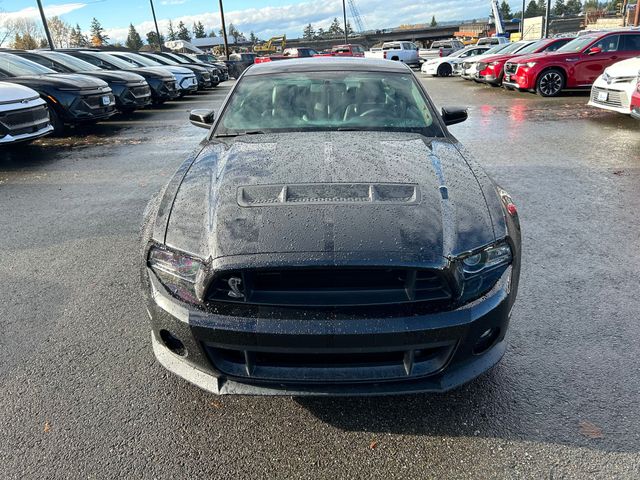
329 194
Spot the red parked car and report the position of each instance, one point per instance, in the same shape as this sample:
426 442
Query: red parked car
635 103
575 65
491 69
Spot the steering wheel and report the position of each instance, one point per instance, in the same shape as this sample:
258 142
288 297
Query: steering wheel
372 112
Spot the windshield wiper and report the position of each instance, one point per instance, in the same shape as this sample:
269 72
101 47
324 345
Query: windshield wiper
238 134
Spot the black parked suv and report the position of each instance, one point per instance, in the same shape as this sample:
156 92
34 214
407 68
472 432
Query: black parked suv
130 89
72 98
207 76
239 62
162 83
223 70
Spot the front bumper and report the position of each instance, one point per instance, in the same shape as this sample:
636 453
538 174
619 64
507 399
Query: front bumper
429 69
89 108
612 99
240 355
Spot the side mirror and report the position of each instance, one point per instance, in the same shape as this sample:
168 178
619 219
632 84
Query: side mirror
594 51
453 115
202 118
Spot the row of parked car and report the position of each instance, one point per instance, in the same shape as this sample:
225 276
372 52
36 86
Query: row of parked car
608 62
43 91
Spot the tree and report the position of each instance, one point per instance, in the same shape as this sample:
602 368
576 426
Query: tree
27 33
349 29
98 35
532 10
76 38
134 42
183 33
152 40
505 10
235 33
25 42
60 32
433 21
573 7
171 35
335 29
198 30
308 33
559 8
320 34
542 7
253 38
7 28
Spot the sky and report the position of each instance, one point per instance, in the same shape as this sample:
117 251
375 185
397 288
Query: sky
264 17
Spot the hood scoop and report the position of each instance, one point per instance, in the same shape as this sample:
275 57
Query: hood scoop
328 194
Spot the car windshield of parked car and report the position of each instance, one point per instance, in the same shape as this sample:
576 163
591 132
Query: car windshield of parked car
160 60
513 47
113 60
18 66
576 45
533 47
175 59
497 48
328 101
72 63
139 60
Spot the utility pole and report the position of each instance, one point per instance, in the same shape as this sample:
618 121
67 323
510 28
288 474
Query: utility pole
522 19
155 21
547 17
344 14
224 31
45 25
636 21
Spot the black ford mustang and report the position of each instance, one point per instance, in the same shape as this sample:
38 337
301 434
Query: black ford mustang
330 237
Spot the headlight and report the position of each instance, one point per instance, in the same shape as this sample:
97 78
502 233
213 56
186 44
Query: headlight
177 271
478 272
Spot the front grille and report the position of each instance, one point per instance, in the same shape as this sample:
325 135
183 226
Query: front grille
330 287
615 98
341 366
142 91
511 68
22 121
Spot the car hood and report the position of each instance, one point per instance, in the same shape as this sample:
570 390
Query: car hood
177 70
625 68
374 197
500 58
112 75
157 72
64 80
11 93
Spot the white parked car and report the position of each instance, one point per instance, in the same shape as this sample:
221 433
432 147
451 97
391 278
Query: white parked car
613 89
491 41
24 116
444 66
440 48
405 52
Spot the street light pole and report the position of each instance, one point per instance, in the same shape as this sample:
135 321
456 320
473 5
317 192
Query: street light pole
155 21
224 31
547 18
344 14
522 20
45 25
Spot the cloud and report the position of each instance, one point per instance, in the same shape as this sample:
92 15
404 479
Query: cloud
291 19
49 10
173 2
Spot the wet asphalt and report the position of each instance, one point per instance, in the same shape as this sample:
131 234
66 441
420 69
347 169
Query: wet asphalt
81 395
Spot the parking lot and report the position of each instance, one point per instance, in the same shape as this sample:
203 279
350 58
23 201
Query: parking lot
82 395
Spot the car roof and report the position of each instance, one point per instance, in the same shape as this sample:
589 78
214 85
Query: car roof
328 63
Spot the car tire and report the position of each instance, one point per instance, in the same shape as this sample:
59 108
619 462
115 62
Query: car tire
56 122
550 83
445 70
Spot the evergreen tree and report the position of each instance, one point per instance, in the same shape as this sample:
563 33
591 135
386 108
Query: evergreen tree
349 29
235 33
433 21
532 10
573 7
134 42
308 32
542 7
98 36
76 38
253 38
320 34
335 30
198 30
183 33
171 35
505 10
152 40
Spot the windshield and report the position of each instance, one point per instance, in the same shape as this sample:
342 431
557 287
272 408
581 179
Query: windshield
497 48
533 47
139 60
18 66
513 47
113 60
328 101
160 60
72 63
175 58
577 45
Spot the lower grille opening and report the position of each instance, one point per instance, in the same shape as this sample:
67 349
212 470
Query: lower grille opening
287 365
